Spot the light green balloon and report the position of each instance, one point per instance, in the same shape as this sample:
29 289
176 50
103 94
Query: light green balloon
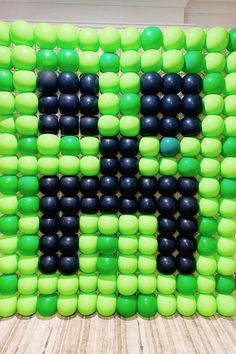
26 305
45 36
195 38
88 39
217 39
226 305
4 34
130 39
173 61
109 39
67 36
23 58
5 58
214 62
173 38
24 81
151 60
231 63
206 305
21 32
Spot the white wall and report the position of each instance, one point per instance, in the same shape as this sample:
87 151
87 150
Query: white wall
123 12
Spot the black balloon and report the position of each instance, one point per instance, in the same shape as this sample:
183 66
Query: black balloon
109 147
69 125
48 124
89 125
48 264
89 104
47 82
68 265
48 244
170 105
149 126
150 83
69 104
49 185
69 185
68 82
89 84
89 205
109 204
171 83
150 105
108 185
166 264
89 186
169 126
48 104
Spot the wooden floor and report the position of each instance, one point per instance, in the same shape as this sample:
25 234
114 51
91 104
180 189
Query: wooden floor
115 335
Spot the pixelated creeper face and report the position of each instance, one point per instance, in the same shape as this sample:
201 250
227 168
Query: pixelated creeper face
118 170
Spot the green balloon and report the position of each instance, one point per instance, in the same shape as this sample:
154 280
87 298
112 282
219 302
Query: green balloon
4 34
186 284
107 244
6 80
28 205
28 244
194 62
9 224
109 62
68 60
229 147
126 305
70 145
21 32
8 284
47 305
206 245
151 38
45 36
28 185
28 146
107 264
88 39
147 305
207 226
232 40
213 83
8 185
225 284
46 59
67 36
228 188
188 167
129 104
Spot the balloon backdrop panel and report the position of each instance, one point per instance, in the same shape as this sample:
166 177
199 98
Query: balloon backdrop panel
118 170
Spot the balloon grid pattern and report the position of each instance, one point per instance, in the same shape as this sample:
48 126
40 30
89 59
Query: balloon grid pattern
117 170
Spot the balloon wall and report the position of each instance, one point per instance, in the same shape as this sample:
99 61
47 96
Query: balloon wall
118 170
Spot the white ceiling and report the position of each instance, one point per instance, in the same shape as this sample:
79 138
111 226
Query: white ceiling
122 13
